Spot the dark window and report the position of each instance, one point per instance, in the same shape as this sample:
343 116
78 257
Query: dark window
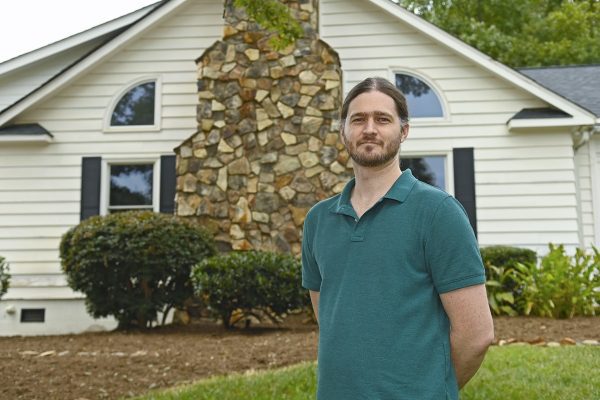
431 169
131 187
136 107
422 100
33 315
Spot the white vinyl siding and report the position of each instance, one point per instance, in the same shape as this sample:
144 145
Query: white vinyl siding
525 181
14 85
40 185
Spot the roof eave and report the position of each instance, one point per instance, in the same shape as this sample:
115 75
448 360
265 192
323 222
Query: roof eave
532 123
26 139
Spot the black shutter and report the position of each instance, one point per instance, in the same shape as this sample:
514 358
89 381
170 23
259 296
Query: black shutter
90 186
464 182
167 184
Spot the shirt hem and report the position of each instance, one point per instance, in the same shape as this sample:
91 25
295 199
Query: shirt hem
462 283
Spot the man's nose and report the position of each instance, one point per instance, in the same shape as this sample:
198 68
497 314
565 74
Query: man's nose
370 126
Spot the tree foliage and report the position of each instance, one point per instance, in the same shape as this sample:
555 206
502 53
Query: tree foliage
273 16
520 33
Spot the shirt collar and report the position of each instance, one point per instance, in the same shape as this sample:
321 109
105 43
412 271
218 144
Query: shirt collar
399 192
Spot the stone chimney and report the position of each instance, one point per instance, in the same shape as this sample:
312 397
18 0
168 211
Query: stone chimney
267 146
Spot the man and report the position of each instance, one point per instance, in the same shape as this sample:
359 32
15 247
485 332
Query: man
394 270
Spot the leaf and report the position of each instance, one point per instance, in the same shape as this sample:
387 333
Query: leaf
506 296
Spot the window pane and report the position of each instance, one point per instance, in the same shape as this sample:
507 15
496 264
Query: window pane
421 99
136 107
430 170
130 185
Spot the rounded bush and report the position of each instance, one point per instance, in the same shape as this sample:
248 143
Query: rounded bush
4 276
237 285
133 264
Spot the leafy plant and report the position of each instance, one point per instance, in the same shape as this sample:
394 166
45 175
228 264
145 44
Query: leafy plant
275 17
238 285
562 286
501 284
133 265
4 277
501 299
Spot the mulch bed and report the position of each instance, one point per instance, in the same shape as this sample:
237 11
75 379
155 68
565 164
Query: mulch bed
112 365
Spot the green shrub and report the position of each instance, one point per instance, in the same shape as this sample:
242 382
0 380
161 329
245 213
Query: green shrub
562 286
238 285
507 256
4 277
499 262
132 265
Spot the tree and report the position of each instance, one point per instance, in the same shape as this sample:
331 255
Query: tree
520 33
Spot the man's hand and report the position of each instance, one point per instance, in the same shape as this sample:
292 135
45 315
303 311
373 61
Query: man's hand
471 329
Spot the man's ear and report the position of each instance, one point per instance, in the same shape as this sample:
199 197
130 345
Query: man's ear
342 136
404 132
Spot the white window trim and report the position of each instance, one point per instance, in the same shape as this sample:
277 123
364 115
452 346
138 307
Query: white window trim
421 121
105 179
448 164
108 128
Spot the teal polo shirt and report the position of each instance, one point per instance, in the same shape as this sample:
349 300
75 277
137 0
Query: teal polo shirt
384 334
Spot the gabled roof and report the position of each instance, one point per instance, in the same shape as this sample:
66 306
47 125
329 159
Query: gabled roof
130 25
580 115
75 40
578 83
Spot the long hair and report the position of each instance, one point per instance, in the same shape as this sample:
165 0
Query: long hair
380 85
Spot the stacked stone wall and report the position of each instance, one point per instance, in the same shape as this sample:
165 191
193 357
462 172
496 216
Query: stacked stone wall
267 146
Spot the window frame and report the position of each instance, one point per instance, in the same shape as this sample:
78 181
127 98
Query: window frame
448 164
105 180
416 121
108 128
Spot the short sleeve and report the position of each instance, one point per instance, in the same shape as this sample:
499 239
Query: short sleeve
311 276
451 249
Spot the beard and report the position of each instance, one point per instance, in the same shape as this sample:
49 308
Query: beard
366 157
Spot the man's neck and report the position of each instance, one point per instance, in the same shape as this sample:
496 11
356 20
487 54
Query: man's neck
371 184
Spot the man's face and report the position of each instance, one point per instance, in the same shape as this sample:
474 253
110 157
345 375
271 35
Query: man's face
372 132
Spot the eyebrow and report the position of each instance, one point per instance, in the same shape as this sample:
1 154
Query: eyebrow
374 113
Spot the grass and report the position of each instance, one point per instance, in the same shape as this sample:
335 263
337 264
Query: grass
512 372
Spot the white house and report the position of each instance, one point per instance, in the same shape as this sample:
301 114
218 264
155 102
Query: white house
519 153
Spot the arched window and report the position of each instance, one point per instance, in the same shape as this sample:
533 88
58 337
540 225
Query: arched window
136 107
423 101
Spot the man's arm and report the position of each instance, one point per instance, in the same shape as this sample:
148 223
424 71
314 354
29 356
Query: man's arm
314 298
471 329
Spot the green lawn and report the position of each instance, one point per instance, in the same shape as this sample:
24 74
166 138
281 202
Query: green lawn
512 372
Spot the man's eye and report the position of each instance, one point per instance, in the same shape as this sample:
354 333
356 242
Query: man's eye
357 120
383 120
